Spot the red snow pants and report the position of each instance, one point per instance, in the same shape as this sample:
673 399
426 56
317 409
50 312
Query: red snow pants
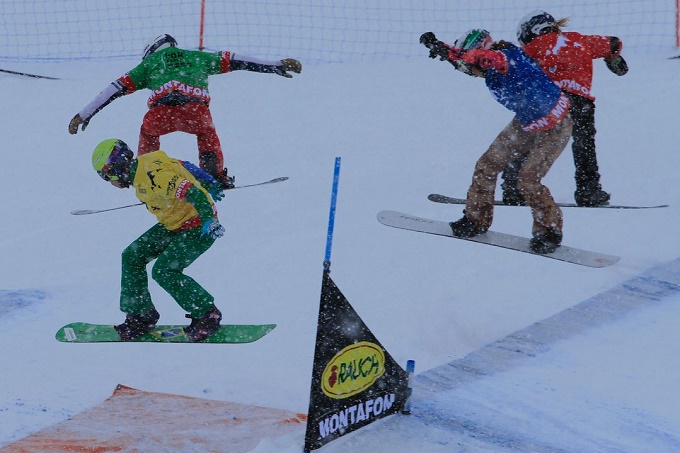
193 118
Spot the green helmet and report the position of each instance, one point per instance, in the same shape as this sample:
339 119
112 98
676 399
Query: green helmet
112 160
472 39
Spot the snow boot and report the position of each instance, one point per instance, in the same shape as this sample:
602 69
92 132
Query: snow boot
466 228
137 325
201 328
546 242
208 162
228 182
591 198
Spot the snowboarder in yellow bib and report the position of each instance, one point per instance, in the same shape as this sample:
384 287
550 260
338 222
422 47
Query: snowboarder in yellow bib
187 227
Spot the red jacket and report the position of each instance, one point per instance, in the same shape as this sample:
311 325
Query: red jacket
568 57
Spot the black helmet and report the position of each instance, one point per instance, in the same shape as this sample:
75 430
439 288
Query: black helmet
534 24
158 43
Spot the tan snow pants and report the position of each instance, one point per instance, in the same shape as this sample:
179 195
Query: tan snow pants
541 149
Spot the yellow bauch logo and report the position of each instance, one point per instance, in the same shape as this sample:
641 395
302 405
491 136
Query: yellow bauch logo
353 370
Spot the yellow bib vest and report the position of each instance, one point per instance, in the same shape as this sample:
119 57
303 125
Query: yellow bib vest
161 183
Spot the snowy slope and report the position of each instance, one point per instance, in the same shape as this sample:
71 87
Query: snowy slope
403 130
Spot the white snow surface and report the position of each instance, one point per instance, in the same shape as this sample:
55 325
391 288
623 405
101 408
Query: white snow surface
514 353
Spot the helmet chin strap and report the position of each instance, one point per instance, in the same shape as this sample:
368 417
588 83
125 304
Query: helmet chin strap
124 177
124 180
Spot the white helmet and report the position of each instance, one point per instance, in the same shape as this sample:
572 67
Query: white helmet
534 24
158 43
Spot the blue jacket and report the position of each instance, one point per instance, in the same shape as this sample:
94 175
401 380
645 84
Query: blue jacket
525 88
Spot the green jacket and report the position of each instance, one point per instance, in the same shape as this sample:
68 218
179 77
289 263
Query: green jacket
177 76
184 72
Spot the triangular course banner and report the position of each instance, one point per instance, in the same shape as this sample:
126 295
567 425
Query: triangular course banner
355 381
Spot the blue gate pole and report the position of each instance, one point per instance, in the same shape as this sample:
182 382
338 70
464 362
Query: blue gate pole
331 216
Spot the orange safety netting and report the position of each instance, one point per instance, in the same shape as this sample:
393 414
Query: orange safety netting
136 421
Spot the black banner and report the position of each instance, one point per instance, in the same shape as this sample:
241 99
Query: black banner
355 381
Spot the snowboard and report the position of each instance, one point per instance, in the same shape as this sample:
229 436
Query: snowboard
271 181
82 332
521 244
96 211
438 198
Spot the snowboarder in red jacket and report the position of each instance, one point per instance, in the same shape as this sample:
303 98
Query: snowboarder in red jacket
567 57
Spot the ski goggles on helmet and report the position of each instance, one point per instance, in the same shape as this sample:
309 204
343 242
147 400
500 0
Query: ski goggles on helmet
472 39
117 165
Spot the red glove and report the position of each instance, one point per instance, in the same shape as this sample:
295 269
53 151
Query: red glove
486 59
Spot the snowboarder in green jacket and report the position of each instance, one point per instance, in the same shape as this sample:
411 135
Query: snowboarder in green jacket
179 101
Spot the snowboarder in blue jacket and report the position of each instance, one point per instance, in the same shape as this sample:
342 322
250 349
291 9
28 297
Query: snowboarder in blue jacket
539 131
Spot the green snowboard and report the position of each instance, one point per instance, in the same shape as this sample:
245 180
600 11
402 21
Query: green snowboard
82 332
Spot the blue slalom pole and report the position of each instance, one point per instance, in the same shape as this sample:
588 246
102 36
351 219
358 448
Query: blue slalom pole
331 216
410 369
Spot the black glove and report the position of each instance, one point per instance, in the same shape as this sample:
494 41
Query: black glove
437 48
617 65
427 39
288 64
75 122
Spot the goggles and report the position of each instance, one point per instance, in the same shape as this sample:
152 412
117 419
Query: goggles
117 165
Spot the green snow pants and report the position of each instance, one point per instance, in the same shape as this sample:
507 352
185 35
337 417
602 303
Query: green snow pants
173 252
